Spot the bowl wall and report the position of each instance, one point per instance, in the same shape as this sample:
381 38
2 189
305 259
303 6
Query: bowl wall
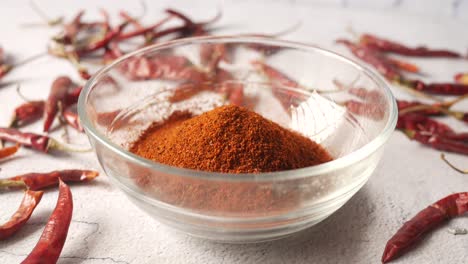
121 101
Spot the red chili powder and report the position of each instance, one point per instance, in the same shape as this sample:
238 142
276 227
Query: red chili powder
228 139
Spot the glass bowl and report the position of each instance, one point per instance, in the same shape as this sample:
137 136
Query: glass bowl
322 101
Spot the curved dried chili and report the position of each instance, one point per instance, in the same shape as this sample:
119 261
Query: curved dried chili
30 200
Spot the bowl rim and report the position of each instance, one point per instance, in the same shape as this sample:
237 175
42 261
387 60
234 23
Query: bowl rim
334 165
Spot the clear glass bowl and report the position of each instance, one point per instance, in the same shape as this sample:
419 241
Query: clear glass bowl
121 101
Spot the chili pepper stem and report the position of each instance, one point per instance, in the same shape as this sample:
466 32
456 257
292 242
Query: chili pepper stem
12 123
283 32
10 184
50 22
456 100
55 145
442 156
409 133
5 68
20 94
29 59
457 231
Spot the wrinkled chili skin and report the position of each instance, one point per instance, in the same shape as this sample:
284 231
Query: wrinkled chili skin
106 118
58 95
420 122
275 75
432 133
39 181
386 45
31 140
8 151
27 113
369 110
52 240
439 88
425 221
374 58
441 142
30 200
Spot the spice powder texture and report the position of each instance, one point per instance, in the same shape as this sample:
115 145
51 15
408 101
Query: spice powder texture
229 139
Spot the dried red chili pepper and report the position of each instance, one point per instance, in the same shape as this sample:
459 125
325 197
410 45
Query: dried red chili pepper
445 209
279 81
430 110
35 141
436 88
8 151
386 45
439 108
164 67
39 181
106 118
30 200
370 110
49 246
439 141
365 94
174 67
275 75
463 137
420 122
58 95
361 92
70 115
104 41
461 78
220 81
374 58
27 113
404 65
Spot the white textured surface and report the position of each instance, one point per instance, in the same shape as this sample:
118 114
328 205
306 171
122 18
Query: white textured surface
106 228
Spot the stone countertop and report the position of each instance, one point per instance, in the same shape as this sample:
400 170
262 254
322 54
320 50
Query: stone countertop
107 228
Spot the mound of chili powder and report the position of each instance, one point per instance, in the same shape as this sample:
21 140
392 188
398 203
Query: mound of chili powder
229 139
